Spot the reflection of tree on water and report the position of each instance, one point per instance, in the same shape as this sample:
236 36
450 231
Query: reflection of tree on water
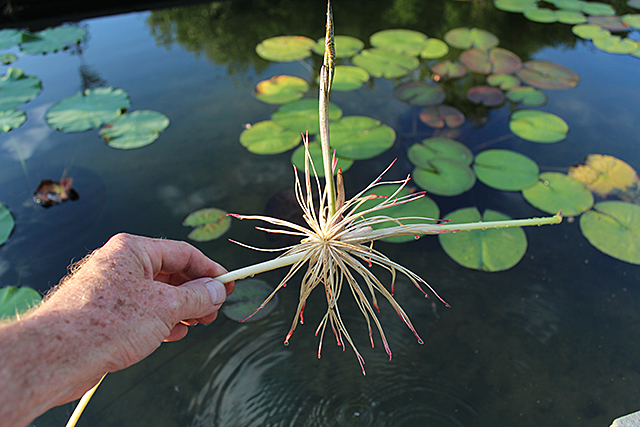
90 78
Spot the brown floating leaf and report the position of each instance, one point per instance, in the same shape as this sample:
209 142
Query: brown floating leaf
603 174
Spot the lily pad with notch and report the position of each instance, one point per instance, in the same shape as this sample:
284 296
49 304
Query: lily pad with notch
302 116
400 40
451 69
611 23
420 155
281 89
420 94
249 294
492 61
17 88
349 77
487 250
542 15
441 116
465 38
134 130
52 39
538 126
503 81
444 177
597 8
16 300
604 174
298 159
267 137
434 49
486 95
571 17
527 96
505 169
590 31
11 119
387 63
548 75
346 46
360 137
616 44
556 191
285 48
209 223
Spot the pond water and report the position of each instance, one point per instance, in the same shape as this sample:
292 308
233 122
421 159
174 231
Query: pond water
551 341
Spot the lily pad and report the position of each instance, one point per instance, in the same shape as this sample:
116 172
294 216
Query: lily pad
268 138
514 5
485 95
8 58
538 126
632 20
16 88
505 169
492 61
634 3
438 117
434 49
603 174
6 223
400 40
596 8
302 116
570 17
14 300
451 69
528 96
420 93
359 137
9 37
11 119
281 89
346 46
134 130
590 32
349 77
210 224
52 39
423 207
285 48
315 151
545 16
548 75
556 191
487 250
247 297
616 44
611 23
503 81
422 154
465 38
614 228
382 62
88 110
445 177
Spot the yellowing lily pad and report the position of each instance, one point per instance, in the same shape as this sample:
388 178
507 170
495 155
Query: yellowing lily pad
400 40
614 228
387 63
465 38
486 250
548 75
268 138
505 169
444 177
209 223
8 58
88 110
281 89
302 116
14 301
420 93
441 116
452 69
434 49
527 96
349 77
249 294
632 20
421 155
285 48
52 39
616 44
298 159
345 46
6 223
134 130
538 126
359 137
603 174
556 191
11 119
485 95
590 31
16 88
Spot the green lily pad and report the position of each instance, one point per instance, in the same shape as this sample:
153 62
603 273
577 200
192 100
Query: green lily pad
514 5
451 69
8 58
400 40
268 138
556 191
420 93
6 223
570 17
434 49
281 89
616 44
632 20
503 81
382 62
614 228
346 46
633 3
134 130
359 137
604 174
445 177
611 23
492 61
9 37
11 119
590 32
302 116
465 38
315 151
52 39
88 110
420 155
438 117
209 223
285 48
485 95
596 8
538 126
247 297
349 77
14 301
528 96
505 169
16 88
487 250
548 75
423 207
545 16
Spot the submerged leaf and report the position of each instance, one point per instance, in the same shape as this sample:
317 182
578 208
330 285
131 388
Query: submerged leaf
485 95
246 298
438 117
210 224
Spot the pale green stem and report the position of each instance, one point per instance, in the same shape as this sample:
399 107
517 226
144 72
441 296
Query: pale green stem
251 270
326 78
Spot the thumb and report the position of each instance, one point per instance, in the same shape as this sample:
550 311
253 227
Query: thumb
201 297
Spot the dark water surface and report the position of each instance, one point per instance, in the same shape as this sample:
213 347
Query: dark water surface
552 341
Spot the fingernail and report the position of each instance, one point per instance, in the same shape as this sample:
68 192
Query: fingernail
218 292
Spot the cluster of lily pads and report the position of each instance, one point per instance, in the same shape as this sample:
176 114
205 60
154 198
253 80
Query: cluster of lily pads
593 21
